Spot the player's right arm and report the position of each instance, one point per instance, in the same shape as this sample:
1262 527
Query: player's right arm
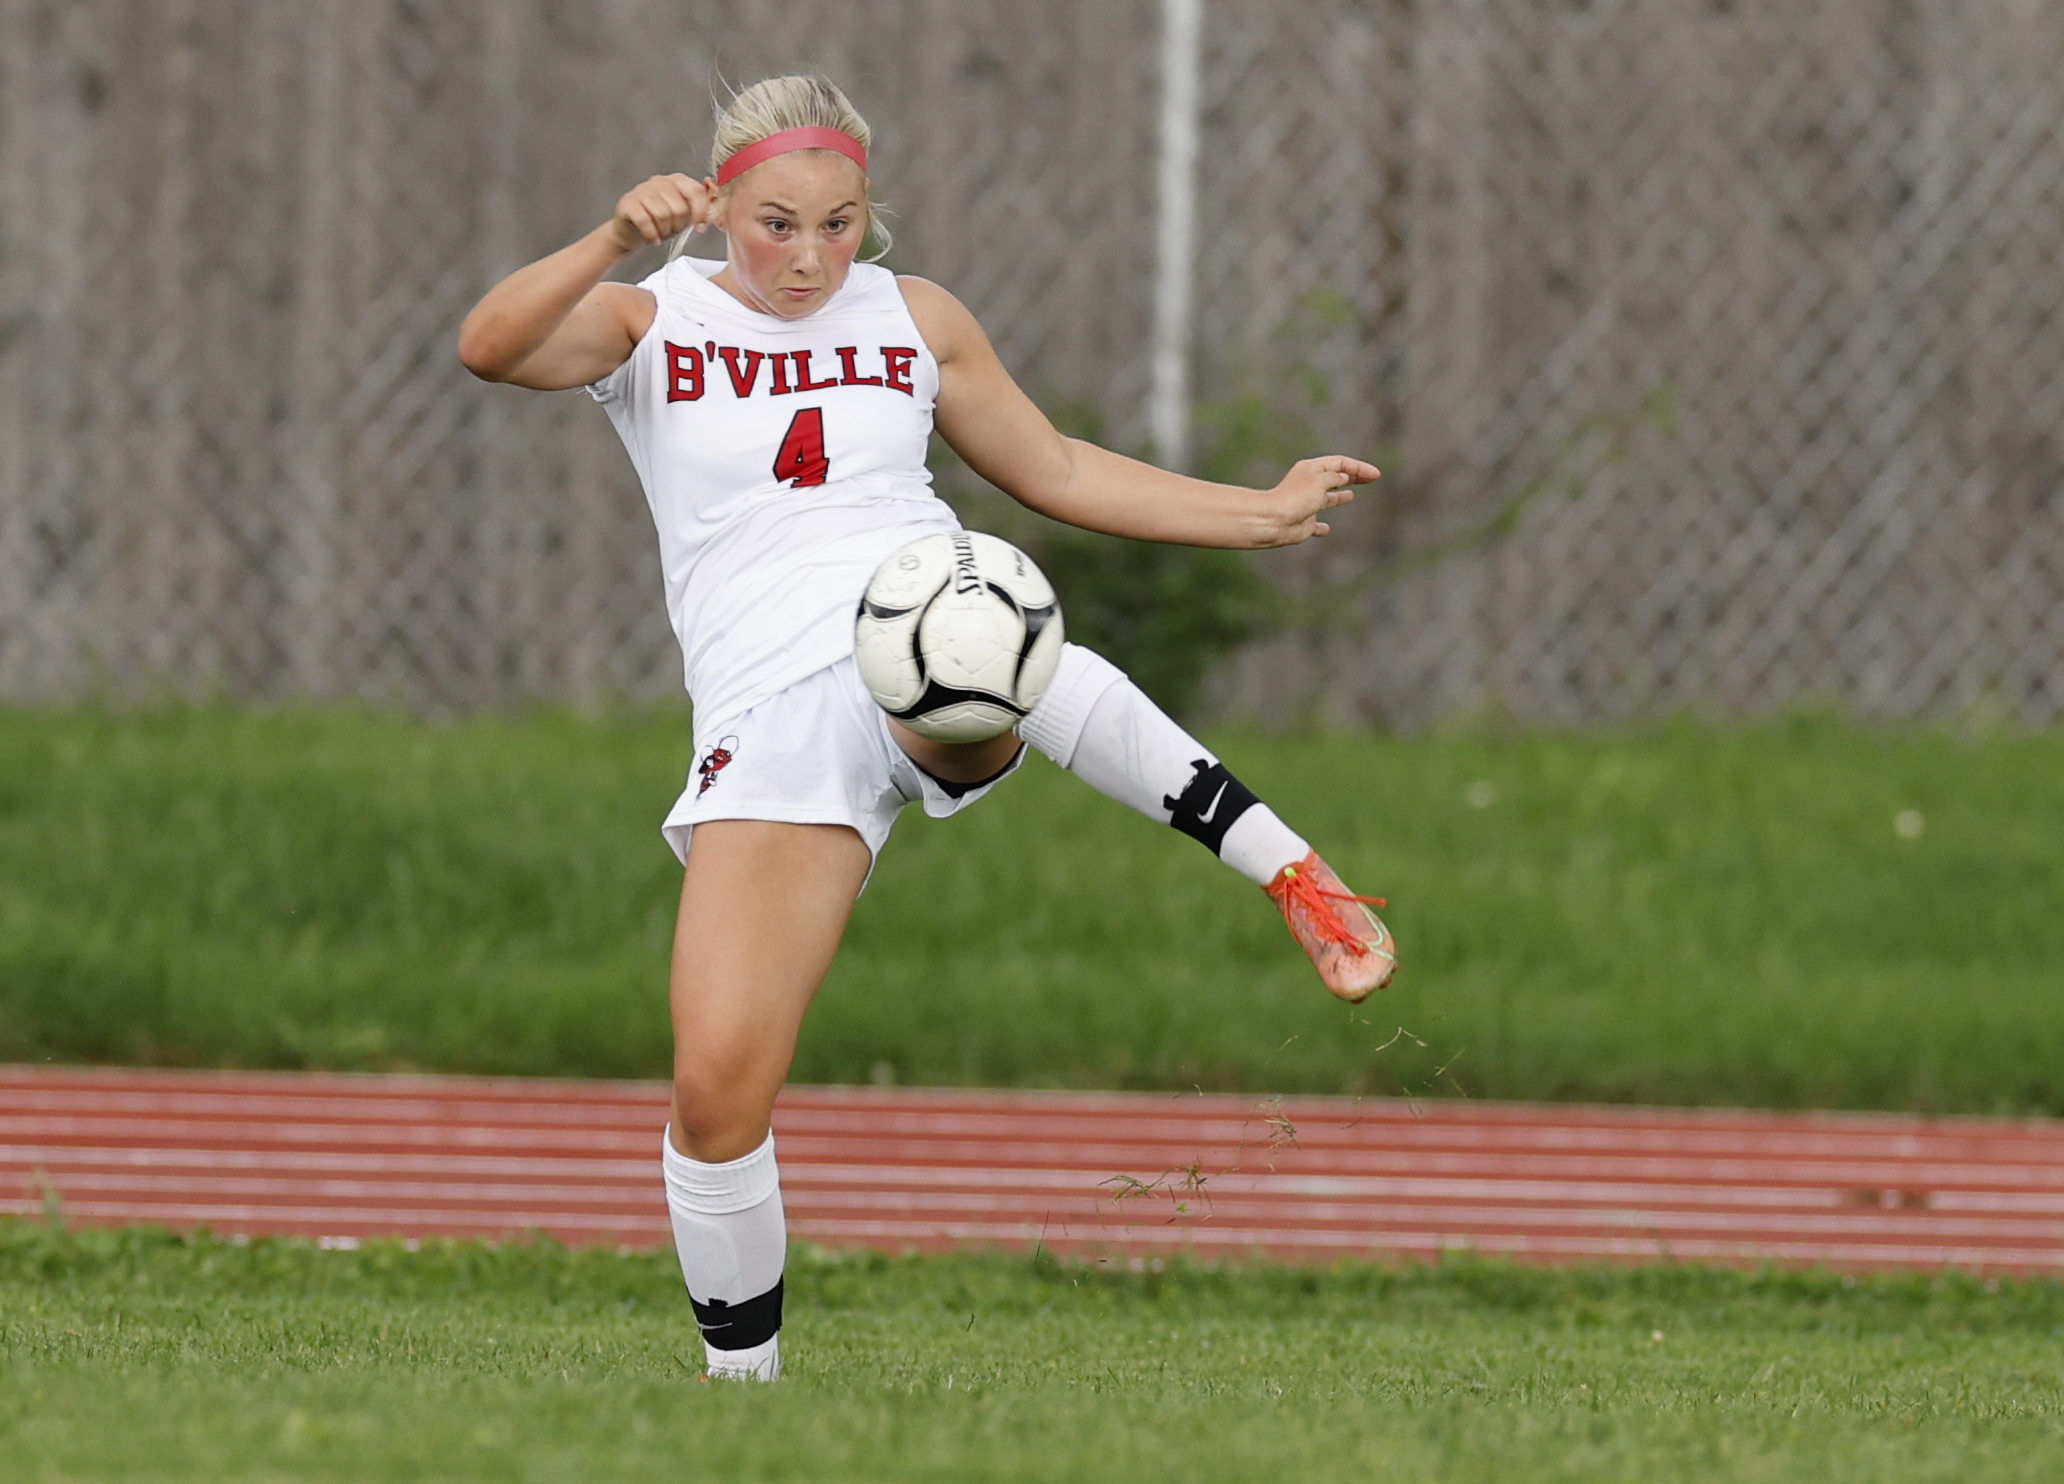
556 324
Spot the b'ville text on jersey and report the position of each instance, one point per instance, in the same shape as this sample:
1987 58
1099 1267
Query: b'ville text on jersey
689 369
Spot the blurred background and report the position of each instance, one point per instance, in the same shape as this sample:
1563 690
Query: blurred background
1686 683
1709 345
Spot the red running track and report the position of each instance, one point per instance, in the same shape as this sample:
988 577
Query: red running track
351 1157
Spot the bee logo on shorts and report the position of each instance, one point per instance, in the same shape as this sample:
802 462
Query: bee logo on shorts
714 762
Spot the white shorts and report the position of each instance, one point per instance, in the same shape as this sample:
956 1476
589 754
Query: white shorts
819 753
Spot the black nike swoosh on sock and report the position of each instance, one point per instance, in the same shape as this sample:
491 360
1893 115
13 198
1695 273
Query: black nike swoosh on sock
1225 796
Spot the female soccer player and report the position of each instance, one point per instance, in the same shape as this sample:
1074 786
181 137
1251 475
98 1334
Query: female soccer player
777 407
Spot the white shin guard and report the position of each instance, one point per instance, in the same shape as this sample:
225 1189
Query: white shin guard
732 1239
1103 729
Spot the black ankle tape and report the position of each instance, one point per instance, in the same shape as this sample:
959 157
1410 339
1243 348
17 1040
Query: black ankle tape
954 790
742 1325
1208 804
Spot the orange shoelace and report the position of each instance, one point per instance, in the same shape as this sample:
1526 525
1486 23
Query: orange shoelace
1317 903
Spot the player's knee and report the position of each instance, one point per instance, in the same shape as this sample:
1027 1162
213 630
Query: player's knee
704 1094
716 1104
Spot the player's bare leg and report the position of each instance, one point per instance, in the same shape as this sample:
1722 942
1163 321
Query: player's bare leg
763 906
970 764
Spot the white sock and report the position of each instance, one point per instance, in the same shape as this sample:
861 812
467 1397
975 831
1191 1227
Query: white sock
732 1239
1103 729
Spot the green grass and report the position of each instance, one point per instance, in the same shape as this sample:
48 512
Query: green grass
137 1356
1684 914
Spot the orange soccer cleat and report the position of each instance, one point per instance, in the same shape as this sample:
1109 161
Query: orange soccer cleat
1350 948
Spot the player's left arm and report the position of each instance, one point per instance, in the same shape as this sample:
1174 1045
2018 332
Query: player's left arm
1007 440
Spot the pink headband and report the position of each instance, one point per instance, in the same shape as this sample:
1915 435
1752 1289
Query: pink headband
787 142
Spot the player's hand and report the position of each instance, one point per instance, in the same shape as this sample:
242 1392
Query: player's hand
660 208
1310 489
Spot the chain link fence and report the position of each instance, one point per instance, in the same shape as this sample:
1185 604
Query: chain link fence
1710 346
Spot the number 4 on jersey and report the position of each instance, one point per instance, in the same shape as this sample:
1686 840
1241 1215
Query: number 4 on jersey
801 460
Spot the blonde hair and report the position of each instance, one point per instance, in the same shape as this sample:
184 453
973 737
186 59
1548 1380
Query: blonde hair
775 104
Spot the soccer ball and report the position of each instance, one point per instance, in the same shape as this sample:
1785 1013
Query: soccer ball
958 635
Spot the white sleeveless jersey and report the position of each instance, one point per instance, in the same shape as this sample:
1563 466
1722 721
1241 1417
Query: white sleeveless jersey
783 460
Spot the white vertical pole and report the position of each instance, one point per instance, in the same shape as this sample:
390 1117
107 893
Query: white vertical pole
1168 398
